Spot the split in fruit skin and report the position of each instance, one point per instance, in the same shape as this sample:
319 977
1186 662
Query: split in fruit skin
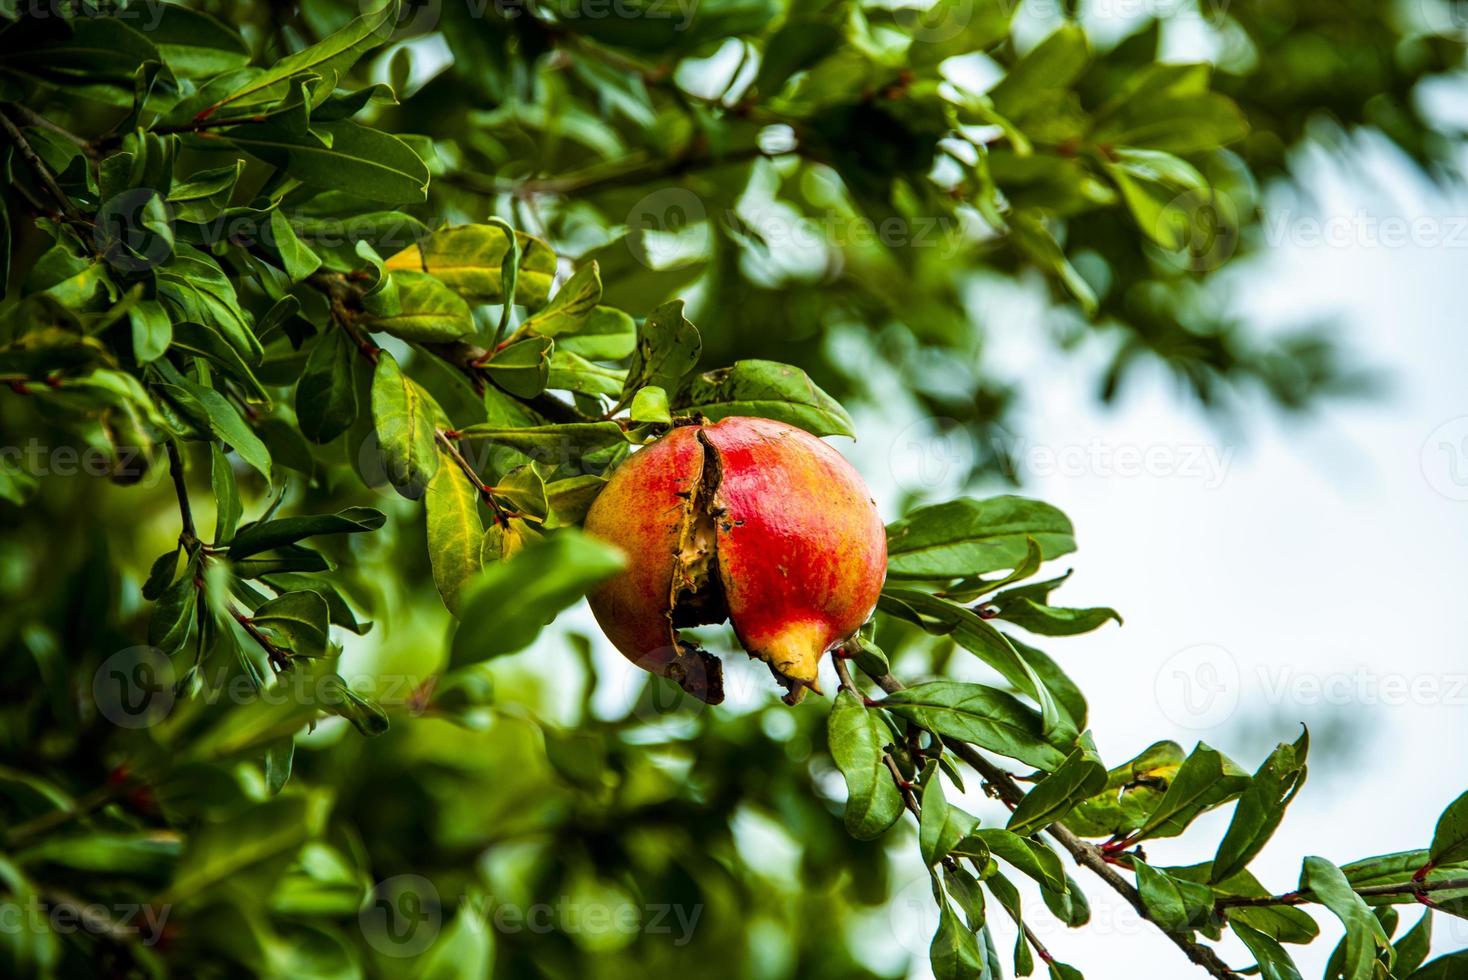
747 520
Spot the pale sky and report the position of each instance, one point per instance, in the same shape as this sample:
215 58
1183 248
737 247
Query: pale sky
1297 569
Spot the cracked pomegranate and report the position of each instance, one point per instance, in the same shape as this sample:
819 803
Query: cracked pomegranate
747 520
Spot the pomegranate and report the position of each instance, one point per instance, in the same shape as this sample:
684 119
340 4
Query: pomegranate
749 520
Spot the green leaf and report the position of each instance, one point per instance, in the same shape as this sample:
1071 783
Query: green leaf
944 618
248 850
1261 808
98 852
16 485
1168 107
1052 65
1027 856
605 335
296 622
465 951
1133 790
572 372
650 404
194 287
268 535
1412 949
954 952
469 259
296 258
1036 617
983 716
454 531
340 156
667 349
227 508
1150 182
1274 962
522 490
856 737
173 614
204 196
206 342
940 826
1450 838
1283 923
509 274
326 394
568 500
195 45
365 715
1175 904
403 419
329 58
279 756
570 307
1003 890
955 27
551 445
229 427
1069 906
506 605
1036 239
766 389
969 537
1364 934
522 368
1206 779
341 613
160 574
418 308
1055 796
152 330
1448 967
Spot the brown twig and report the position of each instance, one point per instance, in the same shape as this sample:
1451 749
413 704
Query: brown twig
1365 891
39 168
190 536
279 659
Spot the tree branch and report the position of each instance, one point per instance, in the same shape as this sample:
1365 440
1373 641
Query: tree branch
39 168
190 536
1085 853
596 179
1366 891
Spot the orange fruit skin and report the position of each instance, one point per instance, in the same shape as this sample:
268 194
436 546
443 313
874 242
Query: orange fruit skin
641 510
801 548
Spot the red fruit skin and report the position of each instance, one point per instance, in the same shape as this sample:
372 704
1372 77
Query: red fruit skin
801 548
